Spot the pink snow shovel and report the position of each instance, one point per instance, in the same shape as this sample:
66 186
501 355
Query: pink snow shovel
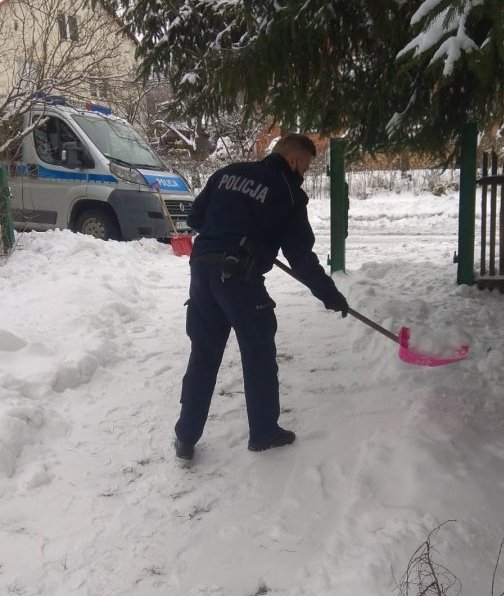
406 354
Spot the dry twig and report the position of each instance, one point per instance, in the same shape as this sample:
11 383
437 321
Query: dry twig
426 577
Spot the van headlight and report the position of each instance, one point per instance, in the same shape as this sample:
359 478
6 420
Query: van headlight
128 174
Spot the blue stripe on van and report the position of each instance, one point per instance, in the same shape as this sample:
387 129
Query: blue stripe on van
36 171
48 173
102 178
21 169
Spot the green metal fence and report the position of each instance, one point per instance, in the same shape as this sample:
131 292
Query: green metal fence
467 204
489 272
491 236
6 228
339 205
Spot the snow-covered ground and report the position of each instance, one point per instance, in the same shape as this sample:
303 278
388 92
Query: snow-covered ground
92 351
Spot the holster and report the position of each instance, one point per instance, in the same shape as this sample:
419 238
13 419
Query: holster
235 263
239 264
230 265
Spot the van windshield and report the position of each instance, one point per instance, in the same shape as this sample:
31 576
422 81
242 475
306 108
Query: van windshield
118 140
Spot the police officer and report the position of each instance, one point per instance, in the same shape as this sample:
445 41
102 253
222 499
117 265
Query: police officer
244 215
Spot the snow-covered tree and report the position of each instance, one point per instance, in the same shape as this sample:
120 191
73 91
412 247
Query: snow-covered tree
318 64
455 62
236 134
389 73
234 131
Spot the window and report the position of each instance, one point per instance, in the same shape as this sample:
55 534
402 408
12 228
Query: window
117 140
68 28
98 88
49 138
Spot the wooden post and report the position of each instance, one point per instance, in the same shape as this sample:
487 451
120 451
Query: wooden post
339 211
467 204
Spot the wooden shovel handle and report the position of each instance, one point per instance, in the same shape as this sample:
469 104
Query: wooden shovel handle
351 311
374 325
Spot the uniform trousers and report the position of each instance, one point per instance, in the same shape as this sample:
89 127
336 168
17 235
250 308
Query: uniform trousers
213 309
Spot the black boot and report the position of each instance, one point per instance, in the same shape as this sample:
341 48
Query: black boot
184 450
283 437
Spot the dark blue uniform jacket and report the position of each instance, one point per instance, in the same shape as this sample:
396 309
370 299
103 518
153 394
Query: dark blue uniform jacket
263 201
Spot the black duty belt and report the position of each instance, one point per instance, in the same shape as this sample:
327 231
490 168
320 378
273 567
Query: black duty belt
215 258
231 264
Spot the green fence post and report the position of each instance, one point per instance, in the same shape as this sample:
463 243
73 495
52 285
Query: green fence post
467 204
6 228
339 203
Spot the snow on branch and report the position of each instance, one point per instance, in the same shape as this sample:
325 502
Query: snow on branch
425 9
451 49
446 30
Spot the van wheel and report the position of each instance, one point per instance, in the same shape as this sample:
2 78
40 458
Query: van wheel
97 223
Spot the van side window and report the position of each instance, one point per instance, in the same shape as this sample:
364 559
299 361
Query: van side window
49 138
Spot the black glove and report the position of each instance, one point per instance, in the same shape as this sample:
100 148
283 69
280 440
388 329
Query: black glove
337 302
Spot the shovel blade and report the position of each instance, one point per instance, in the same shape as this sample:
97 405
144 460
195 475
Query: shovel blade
181 245
407 354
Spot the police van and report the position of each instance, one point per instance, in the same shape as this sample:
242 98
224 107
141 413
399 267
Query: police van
90 171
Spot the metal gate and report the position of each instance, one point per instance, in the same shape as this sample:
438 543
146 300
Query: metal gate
491 266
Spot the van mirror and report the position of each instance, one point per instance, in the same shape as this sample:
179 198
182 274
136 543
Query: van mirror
74 156
71 154
86 160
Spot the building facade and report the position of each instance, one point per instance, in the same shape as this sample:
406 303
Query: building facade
65 48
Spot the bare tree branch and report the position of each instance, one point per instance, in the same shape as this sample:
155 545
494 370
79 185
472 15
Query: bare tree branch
39 58
426 576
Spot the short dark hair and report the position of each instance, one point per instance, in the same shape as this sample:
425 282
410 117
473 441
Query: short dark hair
293 141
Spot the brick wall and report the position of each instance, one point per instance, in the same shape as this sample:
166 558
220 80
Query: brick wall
404 160
271 133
